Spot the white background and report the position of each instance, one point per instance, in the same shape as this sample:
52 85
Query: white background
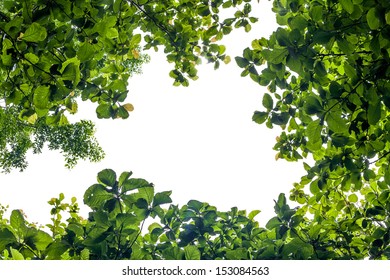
199 142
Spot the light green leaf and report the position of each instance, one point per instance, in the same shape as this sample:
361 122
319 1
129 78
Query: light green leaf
17 222
34 33
336 123
353 198
313 132
191 253
42 240
31 58
253 214
147 193
268 102
112 33
16 255
41 97
85 52
278 55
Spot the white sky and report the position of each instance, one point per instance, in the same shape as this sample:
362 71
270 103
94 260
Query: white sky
199 142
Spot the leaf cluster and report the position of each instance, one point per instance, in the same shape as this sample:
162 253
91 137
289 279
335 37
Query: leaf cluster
122 207
327 72
54 53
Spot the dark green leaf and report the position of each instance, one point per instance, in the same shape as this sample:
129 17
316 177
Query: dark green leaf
107 177
162 198
241 62
96 195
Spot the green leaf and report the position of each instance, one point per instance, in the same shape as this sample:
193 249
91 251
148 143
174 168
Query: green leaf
147 193
373 19
237 254
353 198
191 253
85 52
77 229
317 12
347 5
41 97
162 198
134 183
260 117
273 223
112 33
135 40
277 55
107 177
31 57
280 119
34 33
313 132
84 254
101 219
312 105
6 237
268 102
336 123
18 223
195 205
16 255
42 240
241 62
124 177
104 111
96 195
127 220
387 175
253 214
374 112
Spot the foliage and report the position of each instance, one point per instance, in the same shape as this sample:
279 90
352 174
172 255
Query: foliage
327 72
122 207
55 52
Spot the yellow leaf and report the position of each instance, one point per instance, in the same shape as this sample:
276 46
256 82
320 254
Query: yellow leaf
129 107
277 156
227 59
33 118
135 54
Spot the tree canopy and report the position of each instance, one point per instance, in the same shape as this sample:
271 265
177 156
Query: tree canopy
327 71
